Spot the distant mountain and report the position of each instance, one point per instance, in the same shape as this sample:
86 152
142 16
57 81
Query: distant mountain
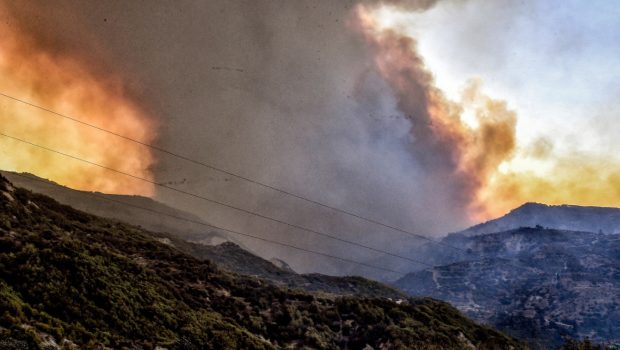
560 217
72 280
536 284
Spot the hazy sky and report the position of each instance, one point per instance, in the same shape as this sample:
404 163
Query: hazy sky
554 61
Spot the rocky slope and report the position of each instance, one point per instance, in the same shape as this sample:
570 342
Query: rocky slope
560 217
534 283
72 280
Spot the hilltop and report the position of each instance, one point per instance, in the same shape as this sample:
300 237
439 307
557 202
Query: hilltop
560 217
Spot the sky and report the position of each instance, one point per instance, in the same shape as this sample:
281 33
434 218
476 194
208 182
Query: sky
426 115
555 62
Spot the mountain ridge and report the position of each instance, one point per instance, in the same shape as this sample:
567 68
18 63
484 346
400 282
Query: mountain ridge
562 217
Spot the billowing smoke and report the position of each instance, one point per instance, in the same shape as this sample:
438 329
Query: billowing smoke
469 154
56 80
464 156
280 91
312 97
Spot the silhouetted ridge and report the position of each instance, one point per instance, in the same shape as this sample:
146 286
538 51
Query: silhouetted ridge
561 217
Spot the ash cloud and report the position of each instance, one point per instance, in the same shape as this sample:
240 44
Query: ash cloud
465 157
297 102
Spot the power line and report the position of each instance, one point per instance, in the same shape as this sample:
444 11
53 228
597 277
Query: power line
30 178
258 215
223 171
255 214
209 166
223 229
331 236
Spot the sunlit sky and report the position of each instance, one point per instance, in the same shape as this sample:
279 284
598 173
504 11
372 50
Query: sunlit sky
554 62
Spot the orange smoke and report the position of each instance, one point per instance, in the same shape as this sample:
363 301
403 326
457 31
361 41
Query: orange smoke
572 179
462 154
478 157
66 84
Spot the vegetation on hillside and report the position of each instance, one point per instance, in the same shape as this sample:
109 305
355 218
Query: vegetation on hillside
77 280
184 232
232 257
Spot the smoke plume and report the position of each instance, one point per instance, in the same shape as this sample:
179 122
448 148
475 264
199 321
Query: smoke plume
464 156
469 154
61 82
313 97
279 91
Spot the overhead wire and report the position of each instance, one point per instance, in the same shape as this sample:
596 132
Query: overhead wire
211 200
230 173
235 232
210 166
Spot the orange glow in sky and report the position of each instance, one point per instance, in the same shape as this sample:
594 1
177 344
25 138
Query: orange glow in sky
500 171
66 85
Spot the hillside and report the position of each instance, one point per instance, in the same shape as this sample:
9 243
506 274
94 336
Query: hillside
78 280
231 257
183 231
136 210
537 284
559 217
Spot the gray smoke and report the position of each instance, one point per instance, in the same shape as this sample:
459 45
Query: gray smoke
279 91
